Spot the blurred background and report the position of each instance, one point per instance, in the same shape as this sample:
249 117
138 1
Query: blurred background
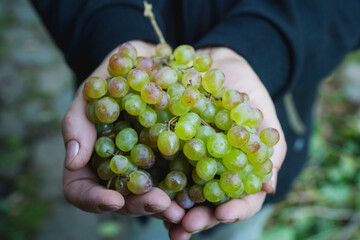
36 87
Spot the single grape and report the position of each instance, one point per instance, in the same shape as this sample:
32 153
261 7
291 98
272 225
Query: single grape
119 164
206 168
103 171
218 145
212 191
263 169
260 156
168 143
269 136
142 156
156 130
191 78
107 110
170 193
164 102
176 181
190 96
118 87
184 54
190 118
176 106
120 186
252 145
252 184
146 64
120 125
163 50
231 182
223 120
119 64
202 62
235 160
126 139
139 182
124 99
246 171
196 193
231 98
204 133
238 136
134 105
104 147
208 115
175 90
165 77
256 118
185 131
90 112
128 49
137 78
213 80
194 149
241 114
179 164
148 118
183 199
95 87
151 93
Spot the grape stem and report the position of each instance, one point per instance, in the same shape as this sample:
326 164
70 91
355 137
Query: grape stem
109 182
150 15
205 123
170 122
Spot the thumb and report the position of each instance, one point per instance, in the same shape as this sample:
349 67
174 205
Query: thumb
79 134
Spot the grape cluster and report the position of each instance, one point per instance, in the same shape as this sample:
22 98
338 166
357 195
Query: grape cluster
168 121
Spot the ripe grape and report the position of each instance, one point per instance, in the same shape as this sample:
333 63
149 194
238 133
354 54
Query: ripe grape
200 105
134 105
238 136
126 139
90 112
95 87
185 131
213 80
128 49
252 145
206 168
104 171
183 199
146 64
176 106
163 50
137 78
212 191
184 54
208 115
104 147
204 133
148 118
164 102
156 130
260 156
119 164
263 169
218 145
196 193
120 125
235 160
120 186
191 78
120 64
231 182
170 193
190 118
176 181
168 143
107 110
190 96
194 149
142 156
139 182
151 93
166 77
202 62
175 90
118 87
179 164
269 136
231 98
223 120
252 184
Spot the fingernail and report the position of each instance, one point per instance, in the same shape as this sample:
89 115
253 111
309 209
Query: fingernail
229 221
154 208
197 231
168 220
72 149
107 208
273 181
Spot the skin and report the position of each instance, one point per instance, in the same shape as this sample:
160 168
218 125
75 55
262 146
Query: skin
81 187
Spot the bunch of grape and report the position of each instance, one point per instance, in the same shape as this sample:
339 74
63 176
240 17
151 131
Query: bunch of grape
168 121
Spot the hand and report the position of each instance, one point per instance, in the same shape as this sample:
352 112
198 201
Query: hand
81 187
239 75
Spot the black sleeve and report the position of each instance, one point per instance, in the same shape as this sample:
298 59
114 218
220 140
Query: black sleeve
86 30
289 43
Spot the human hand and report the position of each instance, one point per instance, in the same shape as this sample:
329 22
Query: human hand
238 75
81 187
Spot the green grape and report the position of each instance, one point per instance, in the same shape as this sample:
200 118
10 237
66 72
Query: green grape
220 166
179 68
176 106
139 182
175 90
204 133
223 120
195 177
206 168
119 164
170 193
256 118
176 181
95 87
241 114
128 49
238 136
168 143
191 78
213 80
212 191
90 112
142 156
179 164
166 77
107 110
126 139
200 105
184 54
148 118
208 115
163 50
151 93
236 194
252 184
121 125
104 147
190 96
163 115
144 138
246 171
263 169
231 182
269 136
252 145
190 118
132 167
103 171
219 94
194 149
231 98
260 156
196 193
183 199
235 160
202 62
156 130
134 105
164 102
137 78
103 128
118 87
266 178
119 64
146 64
218 145
124 99
185 131
120 186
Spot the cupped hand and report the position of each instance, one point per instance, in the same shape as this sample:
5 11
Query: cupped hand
81 187
238 75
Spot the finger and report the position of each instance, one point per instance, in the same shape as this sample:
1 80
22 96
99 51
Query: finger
173 214
176 232
82 190
240 209
199 219
79 135
149 203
